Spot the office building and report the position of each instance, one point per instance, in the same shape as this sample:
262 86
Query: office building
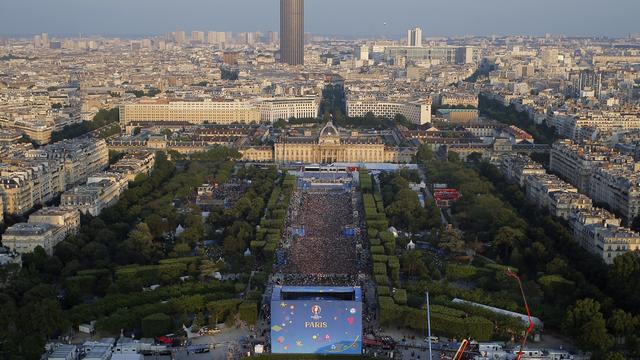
292 32
272 110
417 112
414 37
191 112
362 52
434 54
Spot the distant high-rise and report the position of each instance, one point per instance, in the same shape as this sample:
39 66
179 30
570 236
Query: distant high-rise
292 32
414 37
197 36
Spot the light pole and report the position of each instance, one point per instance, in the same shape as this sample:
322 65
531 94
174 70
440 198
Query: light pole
428 325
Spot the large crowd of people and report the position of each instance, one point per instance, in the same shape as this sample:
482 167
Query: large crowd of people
323 214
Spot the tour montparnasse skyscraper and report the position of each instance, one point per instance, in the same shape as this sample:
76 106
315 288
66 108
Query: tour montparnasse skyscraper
292 32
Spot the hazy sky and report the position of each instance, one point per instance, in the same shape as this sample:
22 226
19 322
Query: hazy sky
341 17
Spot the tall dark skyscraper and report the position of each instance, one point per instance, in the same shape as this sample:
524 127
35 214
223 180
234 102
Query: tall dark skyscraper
292 32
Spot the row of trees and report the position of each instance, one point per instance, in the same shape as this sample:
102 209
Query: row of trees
510 116
101 119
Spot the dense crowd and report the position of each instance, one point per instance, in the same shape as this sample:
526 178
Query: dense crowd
323 249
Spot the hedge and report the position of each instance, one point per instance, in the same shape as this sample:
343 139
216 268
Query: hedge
387 310
156 324
386 236
248 311
379 225
383 291
377 250
551 283
390 247
400 296
133 277
461 272
379 258
393 262
379 269
382 279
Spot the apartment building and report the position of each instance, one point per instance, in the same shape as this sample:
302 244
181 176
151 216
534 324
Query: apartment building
133 164
539 188
38 130
610 242
101 191
65 218
576 163
517 167
454 99
595 229
562 203
417 112
569 126
619 187
80 157
28 183
25 237
580 220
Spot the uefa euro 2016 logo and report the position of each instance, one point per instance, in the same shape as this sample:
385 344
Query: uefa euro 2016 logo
315 310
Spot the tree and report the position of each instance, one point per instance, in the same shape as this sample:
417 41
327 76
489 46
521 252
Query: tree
506 239
453 156
139 247
622 324
237 237
451 240
156 324
413 264
615 356
586 324
424 154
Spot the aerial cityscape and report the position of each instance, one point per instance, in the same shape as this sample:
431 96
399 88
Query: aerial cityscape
291 179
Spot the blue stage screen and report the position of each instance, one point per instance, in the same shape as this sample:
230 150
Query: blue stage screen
314 322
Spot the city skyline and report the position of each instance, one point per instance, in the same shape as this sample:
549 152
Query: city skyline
331 17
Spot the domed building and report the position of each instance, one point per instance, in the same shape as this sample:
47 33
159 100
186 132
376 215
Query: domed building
330 145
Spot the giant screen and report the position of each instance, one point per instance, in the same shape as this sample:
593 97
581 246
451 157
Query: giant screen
316 320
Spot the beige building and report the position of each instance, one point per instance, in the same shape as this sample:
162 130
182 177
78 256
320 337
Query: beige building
39 131
25 237
134 163
450 99
459 116
66 218
257 153
330 146
191 112
101 191
618 187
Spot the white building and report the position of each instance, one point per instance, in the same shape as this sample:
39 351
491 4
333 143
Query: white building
414 37
273 109
417 112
